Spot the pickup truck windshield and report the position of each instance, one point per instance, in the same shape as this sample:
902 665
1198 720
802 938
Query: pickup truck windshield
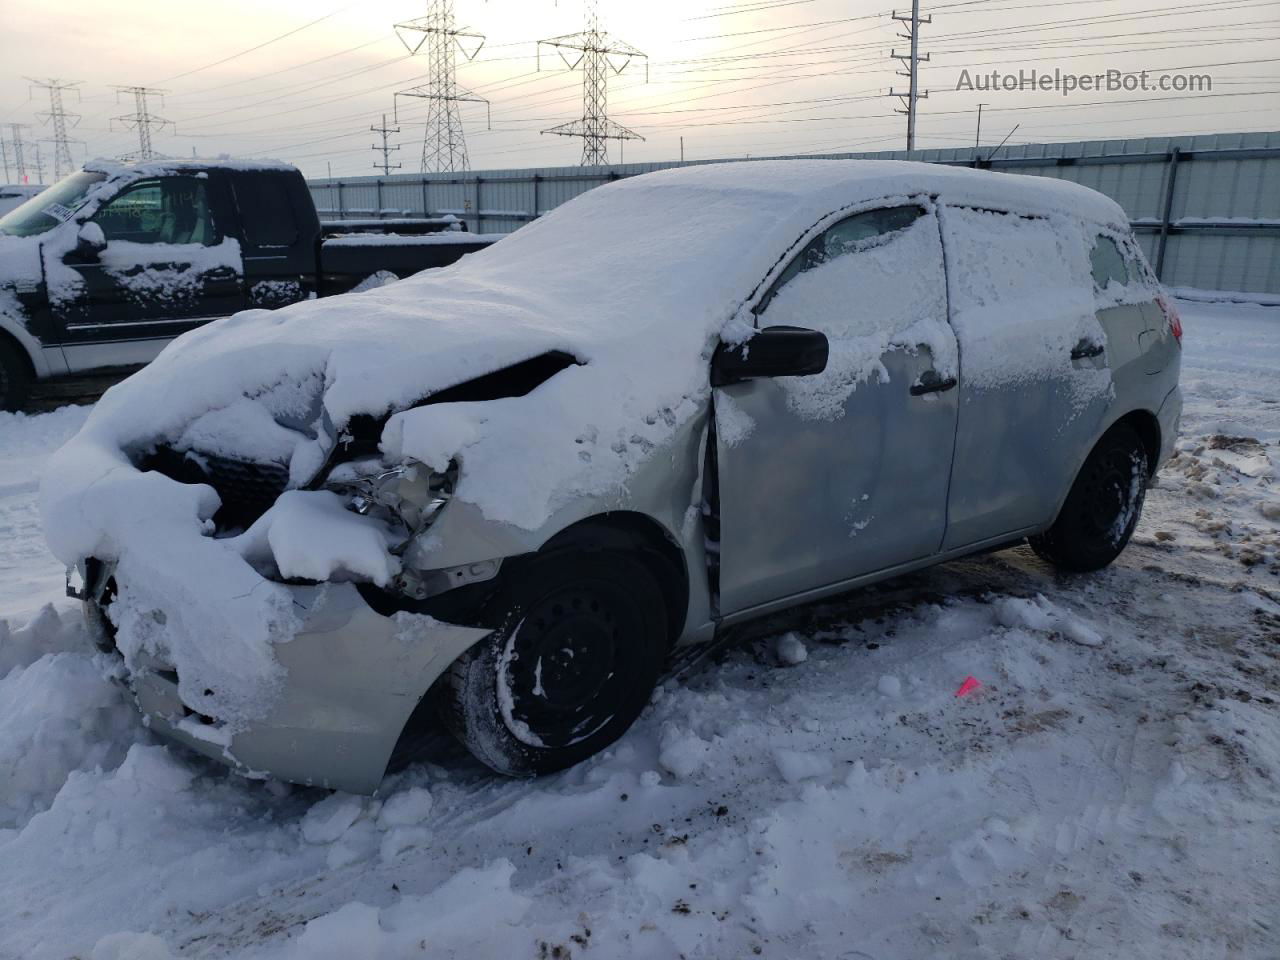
51 207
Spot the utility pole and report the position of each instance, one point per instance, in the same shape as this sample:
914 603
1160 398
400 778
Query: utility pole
58 118
444 145
19 152
386 149
597 53
39 165
142 119
977 135
912 73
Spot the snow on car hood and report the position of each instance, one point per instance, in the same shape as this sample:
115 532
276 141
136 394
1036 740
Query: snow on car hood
637 280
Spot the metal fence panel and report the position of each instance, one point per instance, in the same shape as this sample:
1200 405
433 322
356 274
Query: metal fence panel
1206 208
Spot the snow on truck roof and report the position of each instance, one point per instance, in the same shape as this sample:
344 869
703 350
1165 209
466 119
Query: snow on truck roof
162 166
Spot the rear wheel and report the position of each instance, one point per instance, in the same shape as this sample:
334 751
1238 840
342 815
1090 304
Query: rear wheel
1103 507
14 378
581 641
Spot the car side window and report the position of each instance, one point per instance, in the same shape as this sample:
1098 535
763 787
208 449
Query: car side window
266 210
169 210
1107 262
854 234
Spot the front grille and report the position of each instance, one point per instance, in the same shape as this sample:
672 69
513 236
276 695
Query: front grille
247 490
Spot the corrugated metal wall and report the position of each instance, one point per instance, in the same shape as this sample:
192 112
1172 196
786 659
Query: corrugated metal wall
1206 208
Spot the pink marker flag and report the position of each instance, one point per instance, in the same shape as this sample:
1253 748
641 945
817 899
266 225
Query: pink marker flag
970 684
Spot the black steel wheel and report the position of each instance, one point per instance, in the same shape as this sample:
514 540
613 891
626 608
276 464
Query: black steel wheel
580 643
1103 507
15 381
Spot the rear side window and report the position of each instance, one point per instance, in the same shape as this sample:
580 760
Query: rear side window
1107 262
266 210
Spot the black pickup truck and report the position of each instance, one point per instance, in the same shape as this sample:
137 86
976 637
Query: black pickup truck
105 267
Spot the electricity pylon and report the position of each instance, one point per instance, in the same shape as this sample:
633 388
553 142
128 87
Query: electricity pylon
142 120
386 149
598 53
19 152
912 73
58 118
444 145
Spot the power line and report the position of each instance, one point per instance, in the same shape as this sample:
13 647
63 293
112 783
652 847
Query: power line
253 49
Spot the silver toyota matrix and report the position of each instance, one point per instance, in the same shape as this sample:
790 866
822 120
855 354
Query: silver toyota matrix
500 494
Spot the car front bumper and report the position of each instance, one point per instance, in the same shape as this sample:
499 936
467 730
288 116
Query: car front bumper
352 679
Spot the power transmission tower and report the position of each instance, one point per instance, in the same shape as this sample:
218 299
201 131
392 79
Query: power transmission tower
19 152
58 118
913 60
597 54
386 150
444 145
142 120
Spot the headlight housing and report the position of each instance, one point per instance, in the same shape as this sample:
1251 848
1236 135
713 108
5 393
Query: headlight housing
409 496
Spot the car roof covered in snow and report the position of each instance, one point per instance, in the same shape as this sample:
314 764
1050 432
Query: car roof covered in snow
828 185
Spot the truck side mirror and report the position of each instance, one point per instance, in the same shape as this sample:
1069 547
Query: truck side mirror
90 242
772 352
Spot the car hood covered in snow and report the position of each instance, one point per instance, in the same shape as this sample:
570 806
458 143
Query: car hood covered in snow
637 281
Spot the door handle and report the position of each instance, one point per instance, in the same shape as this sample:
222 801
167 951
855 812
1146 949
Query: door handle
222 273
1086 349
930 382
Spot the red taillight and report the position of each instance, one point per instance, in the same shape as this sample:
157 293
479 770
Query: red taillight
1171 315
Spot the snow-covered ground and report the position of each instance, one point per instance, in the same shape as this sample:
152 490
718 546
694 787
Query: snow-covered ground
1110 788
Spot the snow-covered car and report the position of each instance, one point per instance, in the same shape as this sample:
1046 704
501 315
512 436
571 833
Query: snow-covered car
502 492
104 268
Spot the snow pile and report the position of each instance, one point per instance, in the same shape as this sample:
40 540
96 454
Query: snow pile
58 713
1039 614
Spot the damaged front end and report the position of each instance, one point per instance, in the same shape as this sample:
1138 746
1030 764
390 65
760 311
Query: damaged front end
368 637
354 678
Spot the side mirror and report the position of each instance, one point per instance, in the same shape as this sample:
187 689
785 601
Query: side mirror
772 352
90 242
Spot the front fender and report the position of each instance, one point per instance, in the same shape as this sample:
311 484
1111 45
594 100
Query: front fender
45 361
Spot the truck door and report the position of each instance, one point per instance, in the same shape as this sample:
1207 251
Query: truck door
280 231
1035 374
167 267
828 477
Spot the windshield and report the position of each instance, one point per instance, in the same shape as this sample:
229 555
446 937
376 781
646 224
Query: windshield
50 207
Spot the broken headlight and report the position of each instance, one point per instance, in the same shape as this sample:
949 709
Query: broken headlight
409 496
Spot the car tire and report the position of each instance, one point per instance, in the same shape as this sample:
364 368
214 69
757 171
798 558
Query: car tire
15 381
1103 507
581 640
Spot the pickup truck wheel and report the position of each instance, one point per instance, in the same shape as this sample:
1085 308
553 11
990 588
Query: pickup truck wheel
15 381
581 643
1103 507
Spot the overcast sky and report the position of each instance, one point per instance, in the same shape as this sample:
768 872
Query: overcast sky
732 77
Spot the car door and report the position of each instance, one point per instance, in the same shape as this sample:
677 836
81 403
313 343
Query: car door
166 268
828 477
1122 308
1035 368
